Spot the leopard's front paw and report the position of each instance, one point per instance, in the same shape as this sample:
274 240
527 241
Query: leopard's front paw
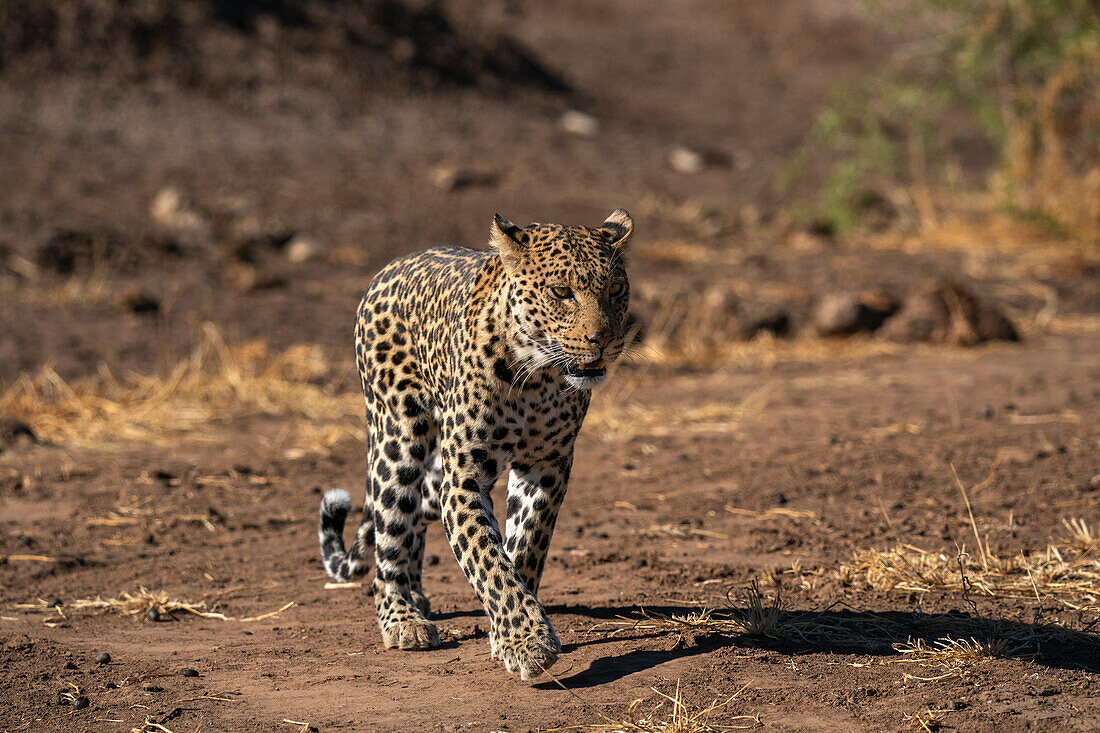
411 632
530 649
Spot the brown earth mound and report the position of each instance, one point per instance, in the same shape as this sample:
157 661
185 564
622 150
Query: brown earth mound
220 46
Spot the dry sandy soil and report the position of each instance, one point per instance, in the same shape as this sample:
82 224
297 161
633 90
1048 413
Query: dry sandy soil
190 393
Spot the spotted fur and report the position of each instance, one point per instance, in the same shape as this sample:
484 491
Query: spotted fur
473 363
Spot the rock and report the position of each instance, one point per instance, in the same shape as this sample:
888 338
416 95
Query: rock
103 658
173 211
189 672
846 313
685 160
302 248
947 312
452 178
578 123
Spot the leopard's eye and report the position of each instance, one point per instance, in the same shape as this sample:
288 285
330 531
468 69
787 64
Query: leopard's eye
617 289
561 292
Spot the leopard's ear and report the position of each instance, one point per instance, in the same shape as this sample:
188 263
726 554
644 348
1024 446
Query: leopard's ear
617 228
508 240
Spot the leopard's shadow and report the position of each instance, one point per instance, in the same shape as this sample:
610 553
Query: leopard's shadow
1060 647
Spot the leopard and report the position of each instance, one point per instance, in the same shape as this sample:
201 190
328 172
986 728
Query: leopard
473 363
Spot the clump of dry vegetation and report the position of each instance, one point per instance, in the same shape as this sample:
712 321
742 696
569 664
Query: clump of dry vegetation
671 714
216 383
153 604
956 657
927 720
953 643
1066 572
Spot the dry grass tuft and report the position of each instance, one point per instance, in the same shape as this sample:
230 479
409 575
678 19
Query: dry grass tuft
1067 572
957 658
927 720
160 603
216 383
670 715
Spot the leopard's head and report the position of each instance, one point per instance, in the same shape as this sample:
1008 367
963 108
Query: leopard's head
567 293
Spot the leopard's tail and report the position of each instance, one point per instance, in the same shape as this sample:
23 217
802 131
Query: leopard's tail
344 565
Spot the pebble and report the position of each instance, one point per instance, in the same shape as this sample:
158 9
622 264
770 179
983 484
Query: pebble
188 672
302 248
152 614
103 658
80 702
171 210
685 160
54 602
579 123
452 178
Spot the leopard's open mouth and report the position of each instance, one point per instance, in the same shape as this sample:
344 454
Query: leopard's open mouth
596 368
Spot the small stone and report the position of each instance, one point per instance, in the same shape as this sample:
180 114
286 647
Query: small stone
103 658
843 314
152 614
685 160
80 702
246 633
148 687
579 123
302 248
452 178
189 672
171 210
54 602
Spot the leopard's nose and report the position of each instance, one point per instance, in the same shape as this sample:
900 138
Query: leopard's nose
600 340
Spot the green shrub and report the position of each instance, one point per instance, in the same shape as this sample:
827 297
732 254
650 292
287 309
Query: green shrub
1018 79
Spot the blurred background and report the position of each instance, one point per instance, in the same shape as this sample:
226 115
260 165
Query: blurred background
251 163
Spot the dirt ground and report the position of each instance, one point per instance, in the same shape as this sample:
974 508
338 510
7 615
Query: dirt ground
183 365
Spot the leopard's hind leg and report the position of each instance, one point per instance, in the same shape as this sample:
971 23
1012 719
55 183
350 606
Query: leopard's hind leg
403 436
429 512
